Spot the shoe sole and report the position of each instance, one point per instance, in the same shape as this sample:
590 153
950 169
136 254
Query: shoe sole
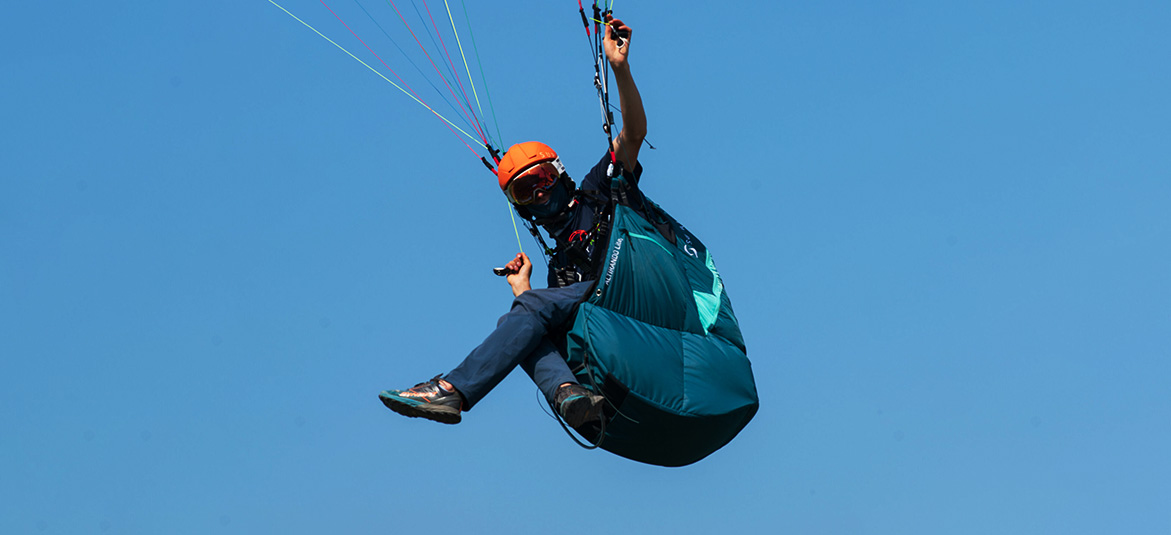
583 410
414 409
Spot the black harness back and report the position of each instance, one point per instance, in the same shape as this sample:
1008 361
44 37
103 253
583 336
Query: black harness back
579 257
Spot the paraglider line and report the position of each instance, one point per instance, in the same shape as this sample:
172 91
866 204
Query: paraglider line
409 60
433 65
375 71
368 48
483 79
463 57
449 61
512 215
434 43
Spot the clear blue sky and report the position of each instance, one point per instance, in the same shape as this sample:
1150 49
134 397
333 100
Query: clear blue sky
944 227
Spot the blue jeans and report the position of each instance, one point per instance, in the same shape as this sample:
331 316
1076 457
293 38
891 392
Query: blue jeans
522 337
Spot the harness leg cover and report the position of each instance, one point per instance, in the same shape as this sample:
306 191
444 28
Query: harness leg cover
658 337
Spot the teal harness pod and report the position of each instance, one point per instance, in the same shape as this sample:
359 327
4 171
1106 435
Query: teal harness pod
658 338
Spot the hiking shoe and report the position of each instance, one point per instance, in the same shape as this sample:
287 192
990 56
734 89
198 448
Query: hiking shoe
577 405
428 400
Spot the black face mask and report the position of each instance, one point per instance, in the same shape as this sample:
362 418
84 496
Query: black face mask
559 199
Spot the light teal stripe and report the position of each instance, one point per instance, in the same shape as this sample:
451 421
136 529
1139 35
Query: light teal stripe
650 239
709 304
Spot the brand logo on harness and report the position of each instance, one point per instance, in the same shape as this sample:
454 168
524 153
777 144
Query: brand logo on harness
579 235
613 260
687 248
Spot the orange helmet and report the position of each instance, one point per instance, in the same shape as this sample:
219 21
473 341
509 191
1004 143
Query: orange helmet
521 157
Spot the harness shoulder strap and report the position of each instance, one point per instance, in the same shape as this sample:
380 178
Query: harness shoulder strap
620 194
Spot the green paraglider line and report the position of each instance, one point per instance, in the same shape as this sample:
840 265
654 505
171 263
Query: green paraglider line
513 215
379 58
431 35
452 64
480 64
464 58
380 75
408 58
436 67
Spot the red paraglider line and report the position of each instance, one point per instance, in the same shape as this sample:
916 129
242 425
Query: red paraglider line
416 95
467 114
408 86
449 61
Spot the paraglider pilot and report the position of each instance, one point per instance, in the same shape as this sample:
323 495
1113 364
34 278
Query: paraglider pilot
532 333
